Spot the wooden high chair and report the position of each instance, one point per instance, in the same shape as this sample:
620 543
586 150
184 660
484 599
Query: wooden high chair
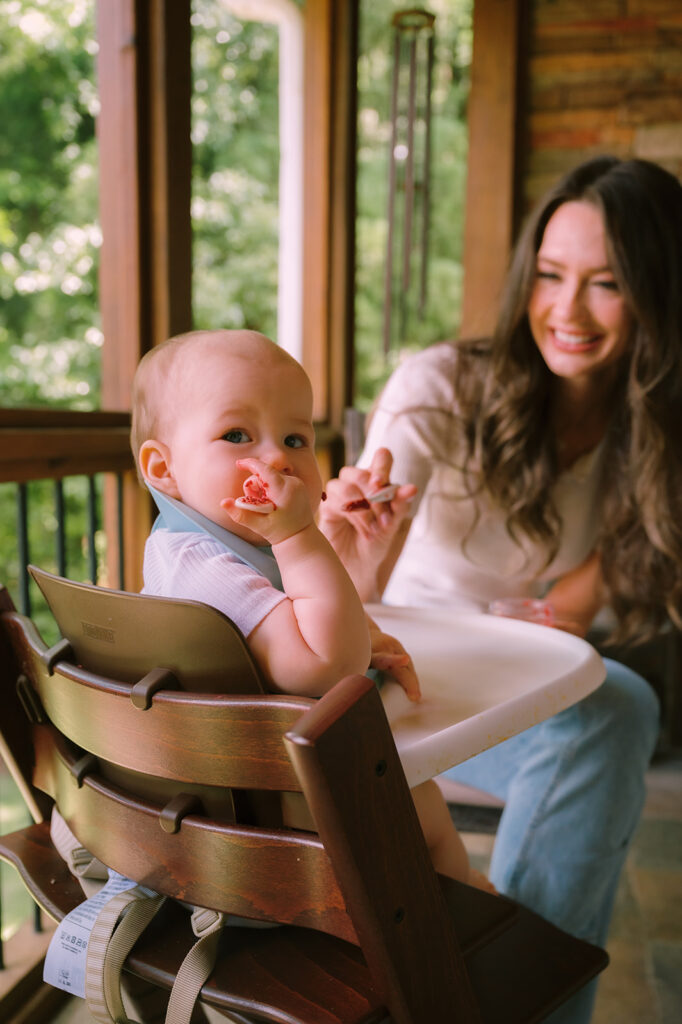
144 715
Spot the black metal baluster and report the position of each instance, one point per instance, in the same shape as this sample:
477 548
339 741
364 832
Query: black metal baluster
92 528
60 538
119 523
23 549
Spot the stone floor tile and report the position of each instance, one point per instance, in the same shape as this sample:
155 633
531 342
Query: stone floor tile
627 921
658 844
659 894
626 992
664 783
667 965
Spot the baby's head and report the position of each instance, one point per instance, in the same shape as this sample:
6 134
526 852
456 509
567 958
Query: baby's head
205 399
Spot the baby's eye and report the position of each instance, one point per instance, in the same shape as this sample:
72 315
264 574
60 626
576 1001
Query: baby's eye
236 436
295 441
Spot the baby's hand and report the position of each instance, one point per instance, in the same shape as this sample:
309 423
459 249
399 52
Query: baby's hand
389 655
274 505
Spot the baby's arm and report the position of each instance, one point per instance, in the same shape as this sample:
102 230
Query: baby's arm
320 634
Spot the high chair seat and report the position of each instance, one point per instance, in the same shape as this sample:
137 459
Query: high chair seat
367 930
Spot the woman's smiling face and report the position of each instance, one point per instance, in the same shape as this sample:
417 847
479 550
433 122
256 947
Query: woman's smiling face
578 317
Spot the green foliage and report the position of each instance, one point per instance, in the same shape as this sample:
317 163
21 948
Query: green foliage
49 235
235 132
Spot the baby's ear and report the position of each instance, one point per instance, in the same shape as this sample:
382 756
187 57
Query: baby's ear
154 461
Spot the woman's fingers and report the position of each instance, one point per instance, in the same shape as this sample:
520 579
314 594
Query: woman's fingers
380 469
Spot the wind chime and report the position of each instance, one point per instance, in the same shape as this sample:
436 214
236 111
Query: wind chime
409 169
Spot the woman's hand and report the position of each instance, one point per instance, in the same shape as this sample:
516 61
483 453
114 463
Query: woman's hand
578 596
389 656
366 535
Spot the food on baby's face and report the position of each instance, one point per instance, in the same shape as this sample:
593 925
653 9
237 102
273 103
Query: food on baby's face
255 498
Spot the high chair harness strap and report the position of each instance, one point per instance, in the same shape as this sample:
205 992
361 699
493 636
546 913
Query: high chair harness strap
117 927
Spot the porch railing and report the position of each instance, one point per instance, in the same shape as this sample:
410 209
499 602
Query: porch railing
82 459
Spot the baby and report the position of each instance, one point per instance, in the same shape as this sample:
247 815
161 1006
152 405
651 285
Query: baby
222 422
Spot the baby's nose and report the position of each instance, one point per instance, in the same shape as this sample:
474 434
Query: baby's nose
279 459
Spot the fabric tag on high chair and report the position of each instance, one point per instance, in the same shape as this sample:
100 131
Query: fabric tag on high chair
66 955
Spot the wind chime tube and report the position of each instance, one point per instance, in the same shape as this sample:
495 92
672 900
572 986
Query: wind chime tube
408 215
413 32
409 161
426 187
388 279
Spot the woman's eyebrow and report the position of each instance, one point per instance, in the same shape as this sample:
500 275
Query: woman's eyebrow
605 269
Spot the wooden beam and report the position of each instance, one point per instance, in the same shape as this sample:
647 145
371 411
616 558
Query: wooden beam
342 210
121 276
316 173
329 207
491 167
144 76
170 169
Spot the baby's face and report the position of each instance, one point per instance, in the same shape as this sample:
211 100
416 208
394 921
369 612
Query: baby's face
235 408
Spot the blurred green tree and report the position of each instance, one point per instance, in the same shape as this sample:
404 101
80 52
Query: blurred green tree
235 135
49 234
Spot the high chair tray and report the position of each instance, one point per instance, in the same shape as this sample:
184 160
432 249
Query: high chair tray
483 678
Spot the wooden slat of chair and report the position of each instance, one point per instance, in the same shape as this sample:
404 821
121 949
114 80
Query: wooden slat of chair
285 974
97 713
345 756
381 884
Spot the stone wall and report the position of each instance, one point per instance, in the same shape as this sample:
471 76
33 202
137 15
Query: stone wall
601 76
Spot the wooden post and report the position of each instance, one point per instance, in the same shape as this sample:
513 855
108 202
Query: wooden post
145 185
491 168
329 213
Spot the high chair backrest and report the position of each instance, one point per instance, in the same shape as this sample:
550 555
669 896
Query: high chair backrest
431 949
127 635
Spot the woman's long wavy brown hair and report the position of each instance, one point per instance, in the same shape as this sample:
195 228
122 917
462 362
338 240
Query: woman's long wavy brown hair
504 390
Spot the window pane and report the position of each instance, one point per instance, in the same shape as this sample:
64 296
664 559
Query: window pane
50 336
235 195
439 319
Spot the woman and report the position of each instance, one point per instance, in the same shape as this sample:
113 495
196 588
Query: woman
548 462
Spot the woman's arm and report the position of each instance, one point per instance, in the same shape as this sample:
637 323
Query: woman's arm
578 596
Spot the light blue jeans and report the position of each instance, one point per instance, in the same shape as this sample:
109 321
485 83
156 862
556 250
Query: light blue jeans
573 788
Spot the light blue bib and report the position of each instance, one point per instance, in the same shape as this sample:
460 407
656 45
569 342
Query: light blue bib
180 518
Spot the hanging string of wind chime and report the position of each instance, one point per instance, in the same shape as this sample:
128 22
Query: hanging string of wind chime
409 169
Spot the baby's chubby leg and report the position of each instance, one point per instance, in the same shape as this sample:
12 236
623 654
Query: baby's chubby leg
448 854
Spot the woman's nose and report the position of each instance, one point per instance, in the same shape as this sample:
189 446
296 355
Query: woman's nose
570 298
